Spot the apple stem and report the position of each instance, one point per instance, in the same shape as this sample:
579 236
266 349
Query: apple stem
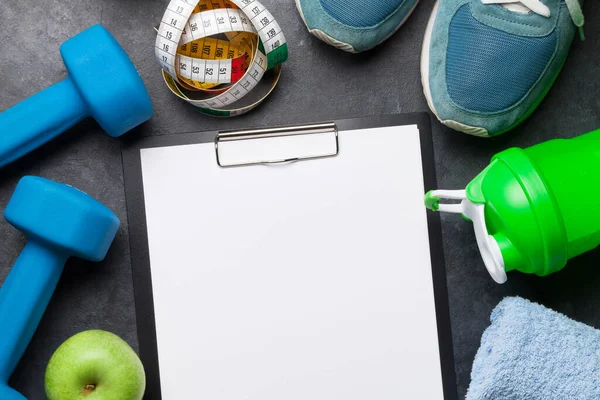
87 389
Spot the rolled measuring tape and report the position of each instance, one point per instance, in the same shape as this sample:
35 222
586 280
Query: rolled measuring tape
213 53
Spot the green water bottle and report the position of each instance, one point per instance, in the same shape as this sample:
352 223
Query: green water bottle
533 209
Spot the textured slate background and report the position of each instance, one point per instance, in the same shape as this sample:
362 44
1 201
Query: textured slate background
319 83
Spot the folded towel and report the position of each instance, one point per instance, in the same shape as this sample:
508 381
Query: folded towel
533 353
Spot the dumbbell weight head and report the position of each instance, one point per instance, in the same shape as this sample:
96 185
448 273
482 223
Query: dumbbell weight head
62 217
107 80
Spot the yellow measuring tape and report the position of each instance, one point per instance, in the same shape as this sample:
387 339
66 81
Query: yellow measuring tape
215 52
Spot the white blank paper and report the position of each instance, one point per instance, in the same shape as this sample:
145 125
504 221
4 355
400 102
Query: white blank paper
309 280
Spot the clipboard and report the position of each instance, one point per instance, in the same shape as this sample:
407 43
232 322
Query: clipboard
223 151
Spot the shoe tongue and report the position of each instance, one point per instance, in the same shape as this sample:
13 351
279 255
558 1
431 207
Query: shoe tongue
517 7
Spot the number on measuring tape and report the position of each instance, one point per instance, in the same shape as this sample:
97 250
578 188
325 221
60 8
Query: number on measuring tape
221 47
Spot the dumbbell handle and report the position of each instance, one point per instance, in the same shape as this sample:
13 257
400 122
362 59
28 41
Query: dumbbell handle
24 297
38 119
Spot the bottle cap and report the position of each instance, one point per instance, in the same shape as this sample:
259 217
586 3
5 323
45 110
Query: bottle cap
517 222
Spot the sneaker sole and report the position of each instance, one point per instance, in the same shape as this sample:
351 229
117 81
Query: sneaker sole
457 126
345 46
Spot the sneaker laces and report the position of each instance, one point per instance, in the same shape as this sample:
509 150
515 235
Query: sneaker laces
540 8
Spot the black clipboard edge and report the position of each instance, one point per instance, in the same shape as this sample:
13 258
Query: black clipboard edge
140 258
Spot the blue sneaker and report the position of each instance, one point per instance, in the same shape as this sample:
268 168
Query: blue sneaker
487 64
354 25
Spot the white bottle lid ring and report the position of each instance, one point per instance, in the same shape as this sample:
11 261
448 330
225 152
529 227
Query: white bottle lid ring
488 246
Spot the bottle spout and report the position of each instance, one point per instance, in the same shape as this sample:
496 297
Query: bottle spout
488 246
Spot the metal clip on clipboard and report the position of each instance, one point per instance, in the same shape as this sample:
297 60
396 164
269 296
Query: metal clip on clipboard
323 136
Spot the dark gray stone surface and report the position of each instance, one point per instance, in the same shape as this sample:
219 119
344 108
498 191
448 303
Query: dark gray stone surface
318 83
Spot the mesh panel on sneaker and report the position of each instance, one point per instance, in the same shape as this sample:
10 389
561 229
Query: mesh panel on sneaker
489 70
360 13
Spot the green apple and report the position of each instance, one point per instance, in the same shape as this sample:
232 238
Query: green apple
95 365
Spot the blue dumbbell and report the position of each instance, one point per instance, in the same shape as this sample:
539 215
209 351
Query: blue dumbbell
59 222
102 83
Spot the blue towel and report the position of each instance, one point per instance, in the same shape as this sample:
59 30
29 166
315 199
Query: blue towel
533 353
